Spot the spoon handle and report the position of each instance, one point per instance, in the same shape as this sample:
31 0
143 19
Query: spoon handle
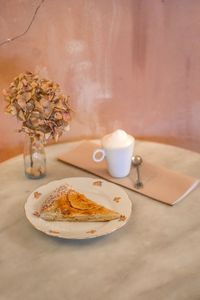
138 173
138 183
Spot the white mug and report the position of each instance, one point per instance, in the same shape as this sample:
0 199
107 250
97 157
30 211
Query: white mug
117 149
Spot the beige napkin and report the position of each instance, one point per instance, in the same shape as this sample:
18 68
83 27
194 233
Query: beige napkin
159 183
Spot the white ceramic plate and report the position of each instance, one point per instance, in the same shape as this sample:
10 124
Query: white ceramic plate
107 194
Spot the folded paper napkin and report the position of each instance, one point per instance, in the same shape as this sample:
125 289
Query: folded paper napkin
159 183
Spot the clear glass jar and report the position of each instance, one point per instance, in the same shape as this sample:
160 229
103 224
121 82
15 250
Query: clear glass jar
34 158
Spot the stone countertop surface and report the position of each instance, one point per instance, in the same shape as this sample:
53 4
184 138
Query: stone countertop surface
155 256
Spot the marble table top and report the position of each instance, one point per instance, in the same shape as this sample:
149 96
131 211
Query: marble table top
155 256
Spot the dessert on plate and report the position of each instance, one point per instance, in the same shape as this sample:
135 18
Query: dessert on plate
66 204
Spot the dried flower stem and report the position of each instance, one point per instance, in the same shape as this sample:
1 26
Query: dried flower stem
31 151
8 40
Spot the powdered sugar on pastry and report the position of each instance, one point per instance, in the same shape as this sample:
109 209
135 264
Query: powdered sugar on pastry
63 189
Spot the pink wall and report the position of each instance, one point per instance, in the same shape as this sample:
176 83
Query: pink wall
131 64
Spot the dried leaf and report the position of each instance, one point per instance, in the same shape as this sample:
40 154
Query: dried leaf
20 76
21 115
25 82
11 110
58 116
21 102
38 106
47 135
35 122
30 106
47 112
44 102
28 96
20 85
34 84
59 104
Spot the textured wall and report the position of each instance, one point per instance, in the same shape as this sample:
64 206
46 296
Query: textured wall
131 64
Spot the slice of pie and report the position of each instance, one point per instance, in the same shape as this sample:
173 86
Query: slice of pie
65 204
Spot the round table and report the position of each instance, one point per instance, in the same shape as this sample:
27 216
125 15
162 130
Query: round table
156 255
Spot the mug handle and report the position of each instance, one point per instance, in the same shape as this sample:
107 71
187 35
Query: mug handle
102 152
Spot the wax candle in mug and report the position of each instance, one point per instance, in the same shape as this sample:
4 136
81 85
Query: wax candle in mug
117 148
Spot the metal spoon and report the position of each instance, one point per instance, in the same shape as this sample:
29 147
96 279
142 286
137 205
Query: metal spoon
137 161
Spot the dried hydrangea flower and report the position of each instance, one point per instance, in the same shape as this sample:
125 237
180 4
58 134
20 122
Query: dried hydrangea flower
39 104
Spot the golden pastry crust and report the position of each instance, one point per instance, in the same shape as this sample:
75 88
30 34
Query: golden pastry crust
68 205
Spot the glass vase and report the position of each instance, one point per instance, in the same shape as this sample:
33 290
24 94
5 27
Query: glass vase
34 158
